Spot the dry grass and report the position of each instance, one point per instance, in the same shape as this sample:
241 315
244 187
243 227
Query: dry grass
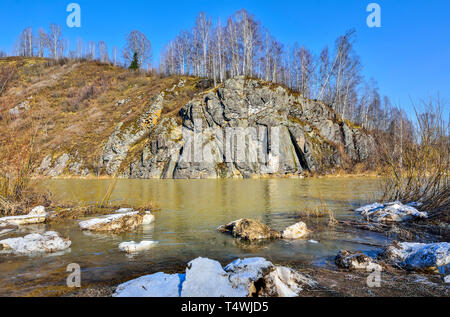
321 210
7 74
18 190
76 105
105 201
418 167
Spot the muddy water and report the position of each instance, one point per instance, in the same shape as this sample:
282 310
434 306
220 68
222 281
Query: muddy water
185 226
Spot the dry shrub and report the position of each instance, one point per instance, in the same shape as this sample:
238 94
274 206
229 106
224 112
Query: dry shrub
321 210
418 163
7 74
18 190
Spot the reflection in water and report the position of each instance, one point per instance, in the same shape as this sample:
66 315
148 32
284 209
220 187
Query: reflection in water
185 227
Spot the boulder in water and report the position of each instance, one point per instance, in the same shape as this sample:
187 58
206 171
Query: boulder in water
297 231
249 229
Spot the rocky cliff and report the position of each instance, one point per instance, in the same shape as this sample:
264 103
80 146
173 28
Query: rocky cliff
242 128
90 119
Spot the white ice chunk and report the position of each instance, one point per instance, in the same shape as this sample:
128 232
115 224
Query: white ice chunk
38 211
154 285
133 247
206 278
296 231
48 242
419 255
148 218
390 212
88 224
244 272
37 215
124 210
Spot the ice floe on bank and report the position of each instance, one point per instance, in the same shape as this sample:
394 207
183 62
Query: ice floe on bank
391 212
37 215
433 257
48 242
133 247
419 256
207 278
154 285
118 222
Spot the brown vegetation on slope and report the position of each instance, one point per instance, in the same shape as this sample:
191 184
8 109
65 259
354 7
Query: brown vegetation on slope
75 107
52 107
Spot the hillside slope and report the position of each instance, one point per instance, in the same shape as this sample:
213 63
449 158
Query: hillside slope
89 119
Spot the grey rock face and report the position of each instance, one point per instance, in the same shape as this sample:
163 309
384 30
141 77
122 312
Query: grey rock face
244 128
63 164
48 168
116 149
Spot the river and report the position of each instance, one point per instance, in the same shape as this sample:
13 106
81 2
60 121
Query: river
185 228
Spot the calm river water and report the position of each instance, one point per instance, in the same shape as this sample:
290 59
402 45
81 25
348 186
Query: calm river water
185 227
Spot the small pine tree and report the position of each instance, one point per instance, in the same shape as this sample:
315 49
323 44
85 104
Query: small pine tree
135 63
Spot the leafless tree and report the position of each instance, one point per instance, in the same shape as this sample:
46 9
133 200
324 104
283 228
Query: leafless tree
138 43
26 43
92 53
202 30
103 52
115 55
55 41
79 49
42 42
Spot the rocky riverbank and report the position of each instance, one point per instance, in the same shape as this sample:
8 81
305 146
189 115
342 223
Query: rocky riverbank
403 268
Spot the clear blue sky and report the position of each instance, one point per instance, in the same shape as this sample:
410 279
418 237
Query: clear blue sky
409 55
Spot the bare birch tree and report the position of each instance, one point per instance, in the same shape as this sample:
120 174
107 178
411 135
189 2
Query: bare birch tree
137 43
